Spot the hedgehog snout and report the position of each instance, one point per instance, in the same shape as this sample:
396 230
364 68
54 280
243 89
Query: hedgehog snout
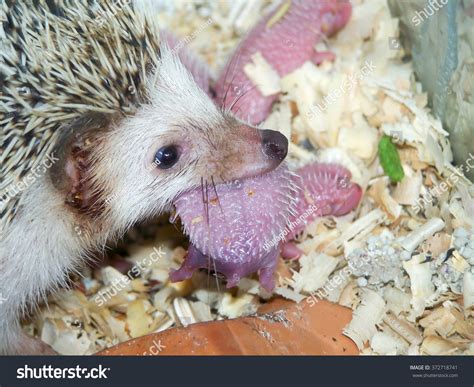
242 152
275 145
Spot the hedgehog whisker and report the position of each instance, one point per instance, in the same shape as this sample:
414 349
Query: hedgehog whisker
208 277
207 204
233 63
217 195
206 201
210 140
237 99
227 85
215 273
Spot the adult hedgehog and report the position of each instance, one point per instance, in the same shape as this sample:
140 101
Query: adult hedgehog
124 128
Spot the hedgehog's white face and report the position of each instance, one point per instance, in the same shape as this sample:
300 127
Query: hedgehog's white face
177 142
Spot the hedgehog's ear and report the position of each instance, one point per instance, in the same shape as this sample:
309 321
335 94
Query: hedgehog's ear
74 153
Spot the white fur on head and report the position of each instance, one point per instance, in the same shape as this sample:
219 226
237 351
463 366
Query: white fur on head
124 163
213 147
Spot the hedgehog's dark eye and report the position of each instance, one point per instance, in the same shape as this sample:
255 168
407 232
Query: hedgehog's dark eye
166 157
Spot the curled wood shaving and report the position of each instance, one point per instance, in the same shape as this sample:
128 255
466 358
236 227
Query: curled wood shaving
360 228
314 272
468 293
421 286
388 343
414 239
368 314
262 75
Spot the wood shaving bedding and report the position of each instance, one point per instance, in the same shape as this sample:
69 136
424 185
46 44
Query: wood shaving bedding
404 260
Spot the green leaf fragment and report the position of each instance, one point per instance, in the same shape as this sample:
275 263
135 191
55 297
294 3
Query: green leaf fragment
390 159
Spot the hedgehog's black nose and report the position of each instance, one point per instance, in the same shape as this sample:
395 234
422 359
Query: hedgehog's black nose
275 144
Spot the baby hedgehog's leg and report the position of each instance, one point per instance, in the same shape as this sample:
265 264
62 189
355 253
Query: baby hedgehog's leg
285 38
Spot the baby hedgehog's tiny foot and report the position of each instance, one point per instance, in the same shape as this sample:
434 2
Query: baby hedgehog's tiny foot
193 260
321 56
289 250
266 278
233 280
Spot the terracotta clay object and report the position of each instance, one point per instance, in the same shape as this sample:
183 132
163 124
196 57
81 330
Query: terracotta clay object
280 328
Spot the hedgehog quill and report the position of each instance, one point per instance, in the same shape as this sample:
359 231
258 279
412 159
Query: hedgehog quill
125 117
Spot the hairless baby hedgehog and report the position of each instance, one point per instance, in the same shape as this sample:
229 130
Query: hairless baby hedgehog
262 213
103 126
